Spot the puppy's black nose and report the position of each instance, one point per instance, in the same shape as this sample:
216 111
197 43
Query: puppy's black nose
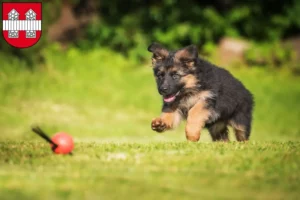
164 89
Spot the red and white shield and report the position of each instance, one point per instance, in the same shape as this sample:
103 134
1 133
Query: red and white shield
22 23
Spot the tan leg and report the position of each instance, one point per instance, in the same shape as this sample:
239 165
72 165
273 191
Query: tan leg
166 121
196 119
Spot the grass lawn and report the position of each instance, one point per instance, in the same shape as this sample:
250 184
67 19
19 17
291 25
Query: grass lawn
107 105
157 170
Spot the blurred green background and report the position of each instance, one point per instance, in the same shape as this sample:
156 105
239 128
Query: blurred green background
90 73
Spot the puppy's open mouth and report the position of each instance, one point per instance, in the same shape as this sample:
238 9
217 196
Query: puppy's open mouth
171 98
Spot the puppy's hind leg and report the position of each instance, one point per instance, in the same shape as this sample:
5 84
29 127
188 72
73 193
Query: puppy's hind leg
219 131
241 124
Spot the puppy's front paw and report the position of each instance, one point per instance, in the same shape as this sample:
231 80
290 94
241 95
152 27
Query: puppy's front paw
158 125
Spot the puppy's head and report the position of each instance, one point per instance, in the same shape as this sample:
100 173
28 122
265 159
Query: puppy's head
174 71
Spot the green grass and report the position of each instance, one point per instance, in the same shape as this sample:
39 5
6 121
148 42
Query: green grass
161 170
107 104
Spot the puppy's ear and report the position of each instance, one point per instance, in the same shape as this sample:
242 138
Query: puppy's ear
159 52
187 55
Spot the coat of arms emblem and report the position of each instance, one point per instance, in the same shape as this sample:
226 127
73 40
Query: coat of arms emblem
22 23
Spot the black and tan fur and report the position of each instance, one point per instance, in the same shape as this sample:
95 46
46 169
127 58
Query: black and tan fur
201 93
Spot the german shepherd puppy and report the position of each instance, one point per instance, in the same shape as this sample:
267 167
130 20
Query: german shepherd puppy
201 93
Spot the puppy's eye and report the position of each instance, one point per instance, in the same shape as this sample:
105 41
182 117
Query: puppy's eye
175 76
160 75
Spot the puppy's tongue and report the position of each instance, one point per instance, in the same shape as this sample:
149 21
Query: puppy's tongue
169 99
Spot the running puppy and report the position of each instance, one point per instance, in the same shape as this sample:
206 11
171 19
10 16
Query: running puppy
201 93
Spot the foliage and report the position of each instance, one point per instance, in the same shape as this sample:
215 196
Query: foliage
266 54
177 23
129 29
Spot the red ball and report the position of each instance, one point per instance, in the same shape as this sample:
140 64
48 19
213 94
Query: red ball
64 143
